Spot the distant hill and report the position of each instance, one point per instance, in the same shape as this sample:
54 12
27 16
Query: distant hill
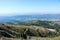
21 18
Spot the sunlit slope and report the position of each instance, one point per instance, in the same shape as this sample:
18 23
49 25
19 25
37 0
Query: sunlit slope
14 30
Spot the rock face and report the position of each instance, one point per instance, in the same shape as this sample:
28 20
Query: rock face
52 30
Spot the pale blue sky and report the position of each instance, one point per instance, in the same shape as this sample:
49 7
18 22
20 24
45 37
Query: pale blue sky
10 7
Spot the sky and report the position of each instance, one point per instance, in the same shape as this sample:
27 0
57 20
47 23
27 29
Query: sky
16 7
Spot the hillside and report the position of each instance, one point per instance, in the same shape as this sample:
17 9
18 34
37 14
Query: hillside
33 28
45 24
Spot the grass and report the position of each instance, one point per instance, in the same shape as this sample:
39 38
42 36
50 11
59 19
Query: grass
20 29
33 38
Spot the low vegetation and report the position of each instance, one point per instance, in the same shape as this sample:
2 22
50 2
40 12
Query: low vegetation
38 30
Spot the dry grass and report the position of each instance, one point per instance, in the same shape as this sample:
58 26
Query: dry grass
33 38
